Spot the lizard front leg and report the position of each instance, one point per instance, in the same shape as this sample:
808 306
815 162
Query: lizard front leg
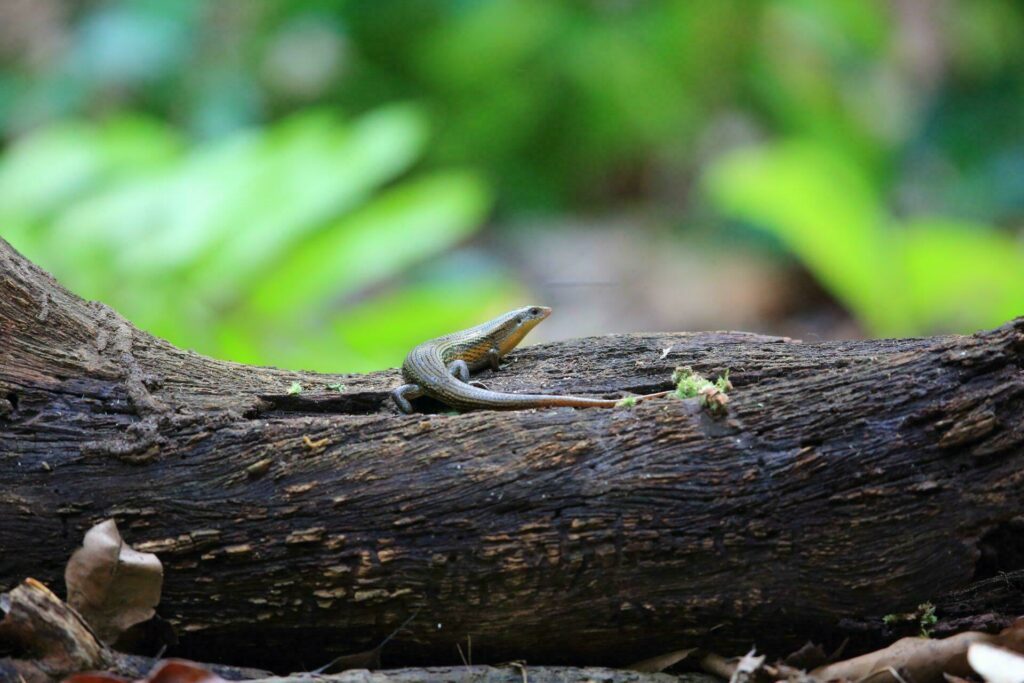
405 393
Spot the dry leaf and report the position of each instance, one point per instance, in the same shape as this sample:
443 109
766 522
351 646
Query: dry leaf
181 671
995 664
112 585
661 662
921 659
169 671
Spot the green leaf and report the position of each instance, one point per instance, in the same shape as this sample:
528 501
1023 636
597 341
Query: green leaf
488 41
229 208
170 222
401 227
928 275
961 277
380 332
295 210
45 170
312 172
823 208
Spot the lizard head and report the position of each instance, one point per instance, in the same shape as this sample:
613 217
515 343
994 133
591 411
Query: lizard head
531 315
520 322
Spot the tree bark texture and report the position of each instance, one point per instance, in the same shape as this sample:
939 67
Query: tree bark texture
847 481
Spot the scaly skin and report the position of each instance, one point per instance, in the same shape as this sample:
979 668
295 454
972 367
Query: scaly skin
440 368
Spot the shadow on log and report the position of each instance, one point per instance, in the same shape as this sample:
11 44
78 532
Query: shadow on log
61 643
847 481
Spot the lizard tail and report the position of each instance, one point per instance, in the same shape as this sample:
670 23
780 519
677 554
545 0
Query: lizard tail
520 401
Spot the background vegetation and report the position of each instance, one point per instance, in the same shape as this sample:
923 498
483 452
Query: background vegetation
323 184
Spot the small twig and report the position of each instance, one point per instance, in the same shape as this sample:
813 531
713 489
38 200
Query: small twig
467 660
157 656
522 669
400 628
380 646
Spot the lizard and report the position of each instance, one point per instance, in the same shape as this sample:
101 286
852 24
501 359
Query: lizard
440 368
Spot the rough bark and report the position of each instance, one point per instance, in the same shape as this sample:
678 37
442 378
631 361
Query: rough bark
847 481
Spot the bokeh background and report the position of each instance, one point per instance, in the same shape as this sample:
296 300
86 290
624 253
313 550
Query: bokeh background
319 184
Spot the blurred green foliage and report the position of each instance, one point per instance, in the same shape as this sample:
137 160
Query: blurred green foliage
243 247
294 182
899 277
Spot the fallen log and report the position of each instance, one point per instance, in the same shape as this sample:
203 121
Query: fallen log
846 481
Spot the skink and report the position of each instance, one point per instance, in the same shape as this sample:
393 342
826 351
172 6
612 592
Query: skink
440 368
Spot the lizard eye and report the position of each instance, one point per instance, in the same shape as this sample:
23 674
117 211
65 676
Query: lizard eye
535 311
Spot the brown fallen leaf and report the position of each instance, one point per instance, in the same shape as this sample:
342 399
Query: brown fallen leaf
717 665
181 671
922 660
169 671
110 584
661 662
